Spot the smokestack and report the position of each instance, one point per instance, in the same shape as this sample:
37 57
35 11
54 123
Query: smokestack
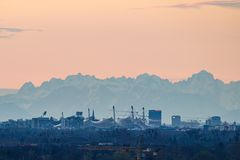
88 114
132 112
93 115
114 114
143 112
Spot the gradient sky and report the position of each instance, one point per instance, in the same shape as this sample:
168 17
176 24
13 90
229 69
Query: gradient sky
41 39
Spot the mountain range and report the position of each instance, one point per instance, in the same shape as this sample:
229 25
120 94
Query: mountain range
5 91
197 97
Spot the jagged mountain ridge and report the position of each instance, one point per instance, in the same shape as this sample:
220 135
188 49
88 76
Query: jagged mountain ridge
201 95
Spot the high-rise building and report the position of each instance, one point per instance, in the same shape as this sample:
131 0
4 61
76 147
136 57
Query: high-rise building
176 120
155 117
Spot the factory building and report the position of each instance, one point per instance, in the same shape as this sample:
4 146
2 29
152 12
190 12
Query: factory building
176 121
155 117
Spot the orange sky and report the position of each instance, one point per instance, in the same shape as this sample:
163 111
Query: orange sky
114 38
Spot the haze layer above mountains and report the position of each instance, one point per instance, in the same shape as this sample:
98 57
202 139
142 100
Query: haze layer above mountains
199 96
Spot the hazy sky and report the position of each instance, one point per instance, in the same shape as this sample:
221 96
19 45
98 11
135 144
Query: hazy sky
41 39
